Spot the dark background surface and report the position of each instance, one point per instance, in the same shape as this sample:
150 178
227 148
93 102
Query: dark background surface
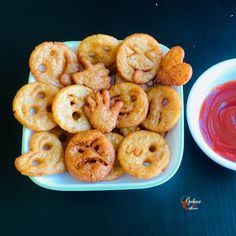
207 31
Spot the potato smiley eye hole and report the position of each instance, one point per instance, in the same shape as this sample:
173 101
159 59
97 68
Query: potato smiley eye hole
47 147
76 115
42 68
152 148
146 163
165 102
96 148
80 151
35 163
52 53
72 103
33 110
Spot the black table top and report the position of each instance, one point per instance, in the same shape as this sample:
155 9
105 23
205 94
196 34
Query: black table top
207 32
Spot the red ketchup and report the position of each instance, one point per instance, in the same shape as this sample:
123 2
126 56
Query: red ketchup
218 120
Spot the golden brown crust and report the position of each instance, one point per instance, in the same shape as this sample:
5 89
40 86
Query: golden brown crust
164 109
117 171
31 106
135 106
94 76
46 156
89 156
53 63
101 112
138 52
173 71
99 48
67 108
144 154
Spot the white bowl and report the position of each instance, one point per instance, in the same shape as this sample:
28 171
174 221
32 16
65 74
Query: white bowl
218 74
64 182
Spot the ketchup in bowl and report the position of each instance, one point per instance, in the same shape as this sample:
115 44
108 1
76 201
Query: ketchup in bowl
218 120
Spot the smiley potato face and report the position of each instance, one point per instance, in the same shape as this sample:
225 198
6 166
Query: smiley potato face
164 109
67 108
135 104
53 63
144 154
99 48
32 106
89 156
45 157
138 52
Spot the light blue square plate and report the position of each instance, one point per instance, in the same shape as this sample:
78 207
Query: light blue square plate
64 182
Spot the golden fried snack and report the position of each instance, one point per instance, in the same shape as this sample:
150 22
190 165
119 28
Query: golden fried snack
32 106
138 52
99 48
116 171
94 76
46 156
67 108
62 135
164 109
53 63
173 71
144 154
101 113
89 156
135 106
146 87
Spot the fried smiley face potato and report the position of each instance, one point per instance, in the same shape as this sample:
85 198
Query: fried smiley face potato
99 48
102 115
94 76
144 154
46 156
53 63
138 52
164 109
89 156
173 71
135 102
117 171
67 108
32 106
